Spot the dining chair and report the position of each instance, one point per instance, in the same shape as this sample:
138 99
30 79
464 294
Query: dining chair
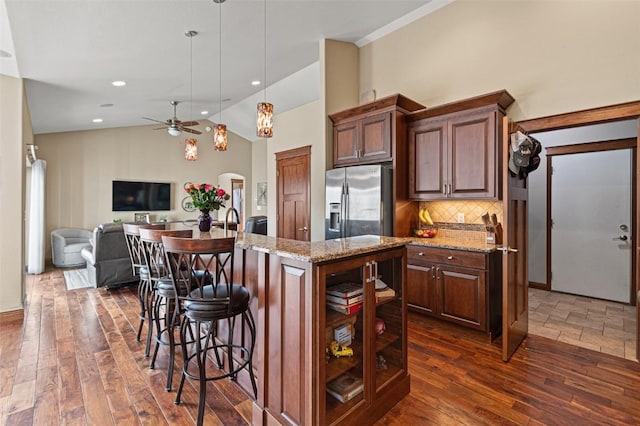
132 238
211 298
161 307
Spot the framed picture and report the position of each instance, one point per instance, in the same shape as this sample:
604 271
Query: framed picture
141 217
187 204
262 193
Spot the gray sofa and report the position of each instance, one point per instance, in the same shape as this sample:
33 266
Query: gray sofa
67 245
108 261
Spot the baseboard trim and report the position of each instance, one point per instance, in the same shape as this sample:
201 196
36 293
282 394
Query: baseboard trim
17 315
539 286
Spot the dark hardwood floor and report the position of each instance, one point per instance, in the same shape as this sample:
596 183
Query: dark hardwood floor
76 361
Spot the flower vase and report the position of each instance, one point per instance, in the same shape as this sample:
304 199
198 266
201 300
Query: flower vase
204 221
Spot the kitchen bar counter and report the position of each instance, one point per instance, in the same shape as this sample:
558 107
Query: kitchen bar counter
318 251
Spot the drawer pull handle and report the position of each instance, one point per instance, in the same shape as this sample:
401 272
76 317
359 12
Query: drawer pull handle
449 257
421 254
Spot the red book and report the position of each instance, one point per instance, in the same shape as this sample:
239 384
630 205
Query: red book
345 309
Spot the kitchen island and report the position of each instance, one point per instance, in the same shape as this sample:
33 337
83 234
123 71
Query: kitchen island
296 373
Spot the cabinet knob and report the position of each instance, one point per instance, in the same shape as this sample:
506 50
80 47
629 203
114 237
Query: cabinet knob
449 257
421 254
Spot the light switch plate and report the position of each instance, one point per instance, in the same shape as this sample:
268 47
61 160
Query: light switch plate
460 217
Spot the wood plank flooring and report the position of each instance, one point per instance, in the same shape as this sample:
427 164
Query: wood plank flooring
74 360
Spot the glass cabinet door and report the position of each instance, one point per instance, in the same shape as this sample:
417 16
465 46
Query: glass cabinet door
387 325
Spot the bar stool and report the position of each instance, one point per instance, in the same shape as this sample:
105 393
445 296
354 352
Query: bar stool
210 297
132 237
162 293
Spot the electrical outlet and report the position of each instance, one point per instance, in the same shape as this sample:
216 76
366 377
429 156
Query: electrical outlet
460 217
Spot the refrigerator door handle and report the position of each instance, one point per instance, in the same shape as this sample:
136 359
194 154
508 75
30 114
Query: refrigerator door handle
347 231
343 211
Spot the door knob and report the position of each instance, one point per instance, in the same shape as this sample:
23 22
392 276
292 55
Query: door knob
303 229
621 238
506 250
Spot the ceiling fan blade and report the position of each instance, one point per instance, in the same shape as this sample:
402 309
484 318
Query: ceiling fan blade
153 119
189 123
195 132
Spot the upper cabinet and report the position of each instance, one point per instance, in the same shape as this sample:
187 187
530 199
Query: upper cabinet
455 149
371 133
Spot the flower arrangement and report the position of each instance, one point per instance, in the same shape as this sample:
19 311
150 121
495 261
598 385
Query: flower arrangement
206 196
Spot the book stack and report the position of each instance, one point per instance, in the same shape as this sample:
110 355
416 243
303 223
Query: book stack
345 387
346 298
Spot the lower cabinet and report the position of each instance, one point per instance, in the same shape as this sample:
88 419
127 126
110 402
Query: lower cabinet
456 286
364 369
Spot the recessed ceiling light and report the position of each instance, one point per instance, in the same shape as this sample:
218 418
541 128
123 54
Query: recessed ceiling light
119 83
106 105
204 112
97 120
5 54
255 82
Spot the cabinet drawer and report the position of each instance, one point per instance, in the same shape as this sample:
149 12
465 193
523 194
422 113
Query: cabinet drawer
417 254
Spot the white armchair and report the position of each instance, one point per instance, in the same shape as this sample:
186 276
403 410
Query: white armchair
66 245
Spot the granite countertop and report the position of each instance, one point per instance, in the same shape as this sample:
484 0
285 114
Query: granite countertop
317 251
455 243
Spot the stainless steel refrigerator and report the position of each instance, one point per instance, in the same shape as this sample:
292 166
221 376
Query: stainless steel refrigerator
359 201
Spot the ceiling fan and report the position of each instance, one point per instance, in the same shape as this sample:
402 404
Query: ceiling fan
175 126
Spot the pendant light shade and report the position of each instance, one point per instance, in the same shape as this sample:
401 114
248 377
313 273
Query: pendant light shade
191 149
220 137
265 120
220 131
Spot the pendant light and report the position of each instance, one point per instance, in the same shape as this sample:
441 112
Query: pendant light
220 131
191 144
264 122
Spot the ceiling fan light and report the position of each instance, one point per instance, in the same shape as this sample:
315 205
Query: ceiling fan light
220 137
265 120
191 149
173 131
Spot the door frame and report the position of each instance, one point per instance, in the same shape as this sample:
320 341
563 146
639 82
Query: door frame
580 148
618 112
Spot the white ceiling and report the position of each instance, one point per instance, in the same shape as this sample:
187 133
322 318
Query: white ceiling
69 52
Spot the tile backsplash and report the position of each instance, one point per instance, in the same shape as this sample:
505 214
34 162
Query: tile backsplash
447 211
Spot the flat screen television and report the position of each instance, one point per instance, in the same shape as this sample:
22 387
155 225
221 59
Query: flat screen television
138 196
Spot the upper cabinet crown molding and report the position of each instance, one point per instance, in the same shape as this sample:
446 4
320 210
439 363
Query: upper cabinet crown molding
501 98
396 101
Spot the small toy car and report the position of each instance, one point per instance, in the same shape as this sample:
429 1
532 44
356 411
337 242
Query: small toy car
339 350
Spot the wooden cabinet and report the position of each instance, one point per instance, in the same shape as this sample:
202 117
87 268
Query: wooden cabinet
455 150
457 286
363 141
378 363
295 327
371 133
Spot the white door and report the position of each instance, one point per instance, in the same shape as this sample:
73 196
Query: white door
591 231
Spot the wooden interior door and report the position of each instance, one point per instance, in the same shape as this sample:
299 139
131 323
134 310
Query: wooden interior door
515 282
293 188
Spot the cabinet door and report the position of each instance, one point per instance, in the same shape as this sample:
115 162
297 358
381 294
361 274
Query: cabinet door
462 296
375 140
346 143
427 160
421 290
472 156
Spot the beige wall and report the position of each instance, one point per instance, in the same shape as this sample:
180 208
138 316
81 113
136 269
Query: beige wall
552 56
15 132
82 165
300 127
